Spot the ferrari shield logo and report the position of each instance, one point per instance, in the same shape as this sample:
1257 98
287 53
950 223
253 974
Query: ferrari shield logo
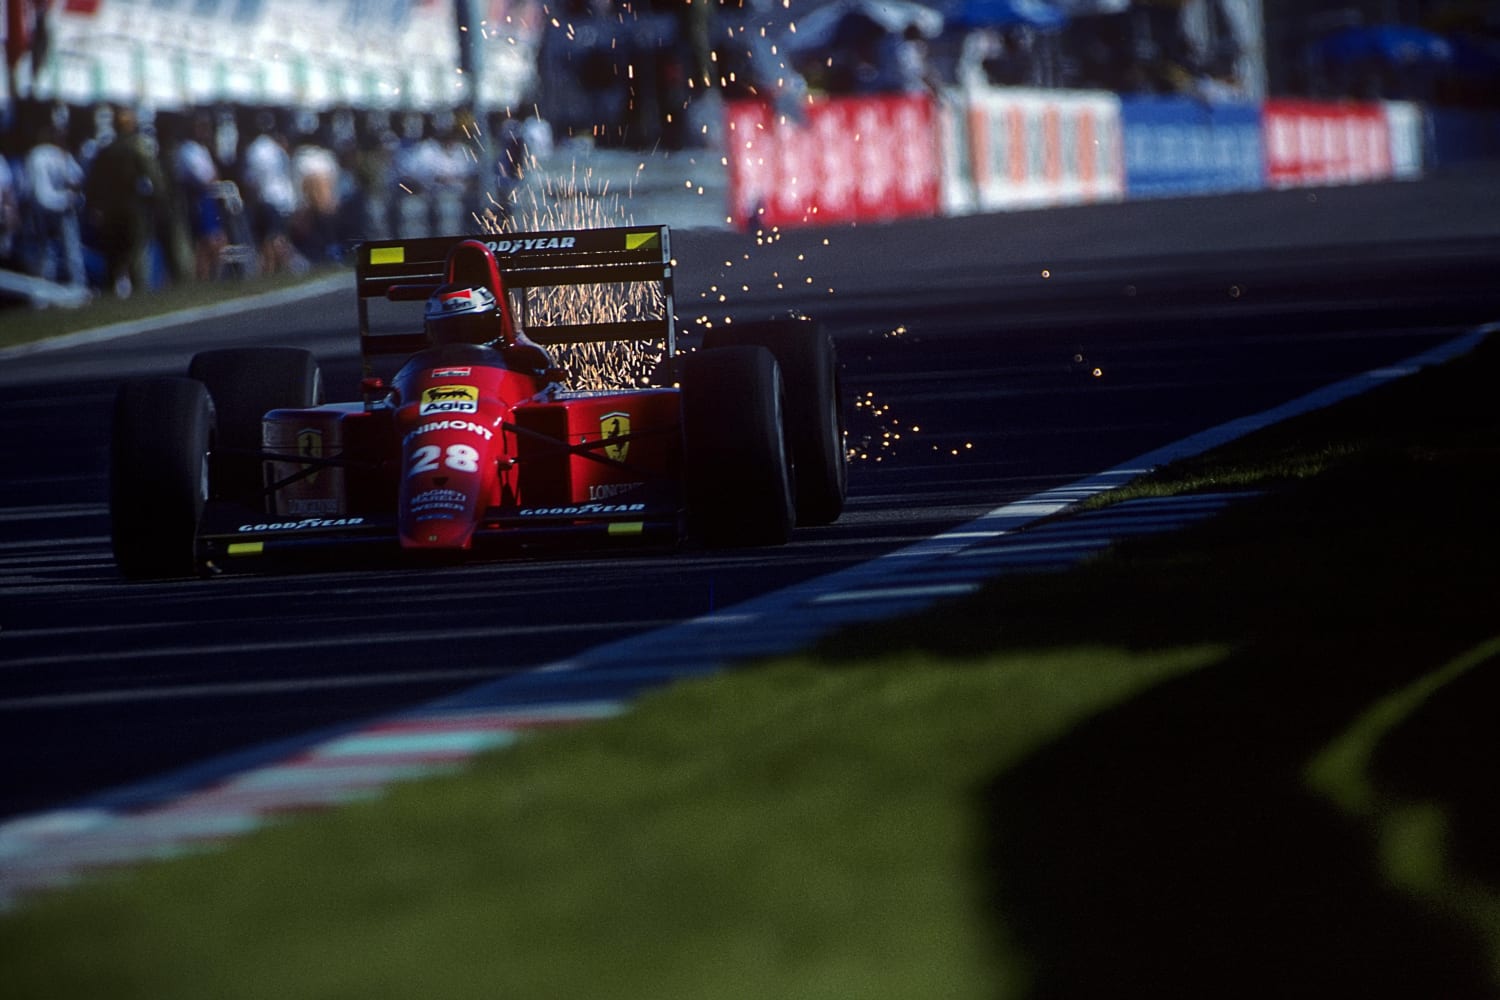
310 445
613 425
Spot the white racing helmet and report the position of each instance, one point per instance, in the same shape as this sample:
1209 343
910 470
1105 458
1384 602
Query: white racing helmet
462 314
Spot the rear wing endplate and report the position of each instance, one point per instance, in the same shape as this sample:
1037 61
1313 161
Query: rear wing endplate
413 269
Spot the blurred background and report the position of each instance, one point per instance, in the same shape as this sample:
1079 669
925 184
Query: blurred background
153 142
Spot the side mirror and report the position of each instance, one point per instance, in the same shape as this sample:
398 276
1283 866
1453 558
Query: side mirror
373 390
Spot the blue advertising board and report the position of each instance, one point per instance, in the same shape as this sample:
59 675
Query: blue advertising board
1178 145
1460 136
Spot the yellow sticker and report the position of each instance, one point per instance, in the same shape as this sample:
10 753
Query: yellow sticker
246 548
388 255
640 241
627 528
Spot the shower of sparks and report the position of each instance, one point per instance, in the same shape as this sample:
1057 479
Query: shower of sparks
879 435
577 202
873 431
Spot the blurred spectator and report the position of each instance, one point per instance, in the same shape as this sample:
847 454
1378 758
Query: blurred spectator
197 175
910 58
124 189
374 172
510 169
739 59
55 182
351 222
536 135
10 211
864 56
314 228
456 182
981 49
271 195
418 162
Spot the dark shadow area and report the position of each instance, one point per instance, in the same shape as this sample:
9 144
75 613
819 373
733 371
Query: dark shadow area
1168 849
1170 846
1437 755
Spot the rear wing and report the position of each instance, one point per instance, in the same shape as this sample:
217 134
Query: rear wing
412 269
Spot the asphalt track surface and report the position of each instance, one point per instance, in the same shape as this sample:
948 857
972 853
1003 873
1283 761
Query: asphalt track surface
1011 354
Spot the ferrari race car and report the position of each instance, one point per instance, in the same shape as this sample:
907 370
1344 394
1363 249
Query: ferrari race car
476 442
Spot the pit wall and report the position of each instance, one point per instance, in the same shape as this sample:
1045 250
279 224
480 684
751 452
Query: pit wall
874 158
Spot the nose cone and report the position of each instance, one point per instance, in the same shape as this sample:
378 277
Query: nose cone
450 474
449 532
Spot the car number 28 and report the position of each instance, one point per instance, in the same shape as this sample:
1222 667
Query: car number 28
460 458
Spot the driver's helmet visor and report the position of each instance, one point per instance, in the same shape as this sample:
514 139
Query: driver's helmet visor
462 315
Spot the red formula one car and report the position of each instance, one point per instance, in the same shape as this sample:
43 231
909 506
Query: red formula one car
477 442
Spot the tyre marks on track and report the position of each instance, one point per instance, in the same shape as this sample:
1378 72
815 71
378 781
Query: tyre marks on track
205 806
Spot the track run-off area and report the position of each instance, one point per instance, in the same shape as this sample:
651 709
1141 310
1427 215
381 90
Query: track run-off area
990 364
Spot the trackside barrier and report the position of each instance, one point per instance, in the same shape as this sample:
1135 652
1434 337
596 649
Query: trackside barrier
1455 136
1406 124
849 159
1316 142
1178 146
1023 148
990 149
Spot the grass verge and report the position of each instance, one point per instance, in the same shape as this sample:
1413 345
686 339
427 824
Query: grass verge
24 325
1243 760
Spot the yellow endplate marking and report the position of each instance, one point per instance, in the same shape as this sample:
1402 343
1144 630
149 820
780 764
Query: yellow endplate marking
246 548
637 241
388 255
627 528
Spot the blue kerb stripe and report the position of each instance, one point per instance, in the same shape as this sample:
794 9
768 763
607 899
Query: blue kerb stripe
398 744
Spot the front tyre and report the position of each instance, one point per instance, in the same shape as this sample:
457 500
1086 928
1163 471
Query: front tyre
158 476
246 383
738 476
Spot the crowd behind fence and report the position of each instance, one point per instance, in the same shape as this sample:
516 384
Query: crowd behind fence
108 201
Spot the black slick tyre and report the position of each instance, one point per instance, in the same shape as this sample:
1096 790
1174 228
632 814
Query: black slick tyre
737 475
814 407
160 441
246 383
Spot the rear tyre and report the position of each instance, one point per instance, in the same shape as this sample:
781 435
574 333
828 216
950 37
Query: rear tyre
814 408
738 477
158 477
246 383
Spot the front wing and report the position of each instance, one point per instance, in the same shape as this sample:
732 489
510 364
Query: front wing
229 541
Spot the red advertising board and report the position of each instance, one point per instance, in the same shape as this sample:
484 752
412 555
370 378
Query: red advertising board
850 159
1315 142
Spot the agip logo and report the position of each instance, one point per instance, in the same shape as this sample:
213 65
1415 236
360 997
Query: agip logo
440 399
615 425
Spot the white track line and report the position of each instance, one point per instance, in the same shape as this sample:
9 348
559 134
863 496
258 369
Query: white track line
55 848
